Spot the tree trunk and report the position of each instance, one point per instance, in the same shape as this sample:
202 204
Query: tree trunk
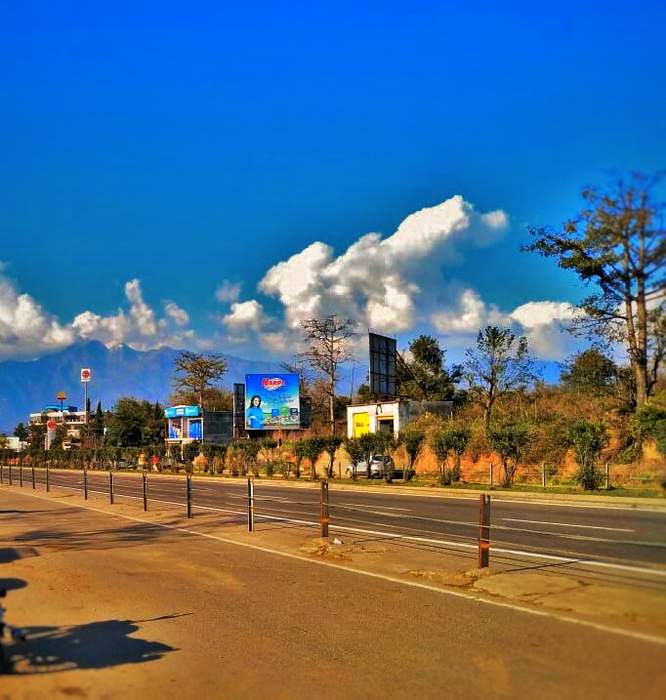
331 406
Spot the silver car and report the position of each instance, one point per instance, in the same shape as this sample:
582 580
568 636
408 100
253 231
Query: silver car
378 464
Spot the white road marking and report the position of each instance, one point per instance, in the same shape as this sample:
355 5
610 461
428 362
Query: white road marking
654 639
589 527
370 505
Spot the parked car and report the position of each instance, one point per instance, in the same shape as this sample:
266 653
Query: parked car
378 466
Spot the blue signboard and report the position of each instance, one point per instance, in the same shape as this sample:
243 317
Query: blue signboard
178 411
272 401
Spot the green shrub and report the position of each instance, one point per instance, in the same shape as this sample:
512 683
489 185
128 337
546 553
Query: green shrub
588 439
509 441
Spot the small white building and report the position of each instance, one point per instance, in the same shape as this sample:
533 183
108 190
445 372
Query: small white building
73 420
13 443
390 416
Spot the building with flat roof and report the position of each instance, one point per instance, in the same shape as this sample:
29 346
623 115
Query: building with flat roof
69 416
186 424
391 416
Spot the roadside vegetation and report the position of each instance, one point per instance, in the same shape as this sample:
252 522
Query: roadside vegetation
507 427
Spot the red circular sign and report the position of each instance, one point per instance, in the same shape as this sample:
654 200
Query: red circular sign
51 425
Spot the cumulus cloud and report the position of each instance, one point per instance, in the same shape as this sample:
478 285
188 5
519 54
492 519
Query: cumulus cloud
228 292
138 327
245 315
544 323
179 316
378 280
25 328
468 315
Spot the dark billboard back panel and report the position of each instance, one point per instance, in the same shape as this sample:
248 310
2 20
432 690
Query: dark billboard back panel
383 351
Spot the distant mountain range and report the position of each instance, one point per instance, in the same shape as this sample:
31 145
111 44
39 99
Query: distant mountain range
28 386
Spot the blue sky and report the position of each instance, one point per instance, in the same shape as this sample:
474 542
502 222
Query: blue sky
184 146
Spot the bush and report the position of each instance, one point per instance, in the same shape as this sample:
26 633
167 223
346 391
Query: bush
509 441
659 434
356 451
414 440
588 439
450 441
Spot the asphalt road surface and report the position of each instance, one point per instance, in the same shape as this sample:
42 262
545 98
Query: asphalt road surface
620 542
116 608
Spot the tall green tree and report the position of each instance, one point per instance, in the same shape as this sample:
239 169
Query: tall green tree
617 243
500 363
21 432
589 372
134 423
197 372
422 374
97 422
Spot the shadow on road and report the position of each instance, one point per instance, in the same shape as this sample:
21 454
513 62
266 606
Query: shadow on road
94 645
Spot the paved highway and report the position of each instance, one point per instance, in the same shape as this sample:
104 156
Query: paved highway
116 608
611 541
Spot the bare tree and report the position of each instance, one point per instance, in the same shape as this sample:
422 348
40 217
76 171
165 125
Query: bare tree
499 364
618 243
329 341
196 373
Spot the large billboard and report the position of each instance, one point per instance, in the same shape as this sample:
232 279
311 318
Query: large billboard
383 352
272 401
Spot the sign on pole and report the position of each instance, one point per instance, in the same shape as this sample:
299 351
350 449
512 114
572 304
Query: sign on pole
51 427
86 374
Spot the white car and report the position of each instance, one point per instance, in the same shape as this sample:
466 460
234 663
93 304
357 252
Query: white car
377 467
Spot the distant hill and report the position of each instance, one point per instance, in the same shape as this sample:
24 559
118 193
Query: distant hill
26 387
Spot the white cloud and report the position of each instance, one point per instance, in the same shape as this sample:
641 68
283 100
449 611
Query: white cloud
470 314
179 316
378 281
245 315
228 292
544 323
26 330
139 327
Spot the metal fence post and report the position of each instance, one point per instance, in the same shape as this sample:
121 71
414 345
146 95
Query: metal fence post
250 505
323 503
144 480
85 483
21 475
189 495
607 476
110 487
490 474
484 531
32 468
543 475
10 474
48 485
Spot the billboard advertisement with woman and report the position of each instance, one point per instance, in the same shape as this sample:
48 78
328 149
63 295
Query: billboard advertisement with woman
272 401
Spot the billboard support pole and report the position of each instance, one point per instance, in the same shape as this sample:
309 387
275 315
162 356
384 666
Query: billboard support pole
323 502
250 505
